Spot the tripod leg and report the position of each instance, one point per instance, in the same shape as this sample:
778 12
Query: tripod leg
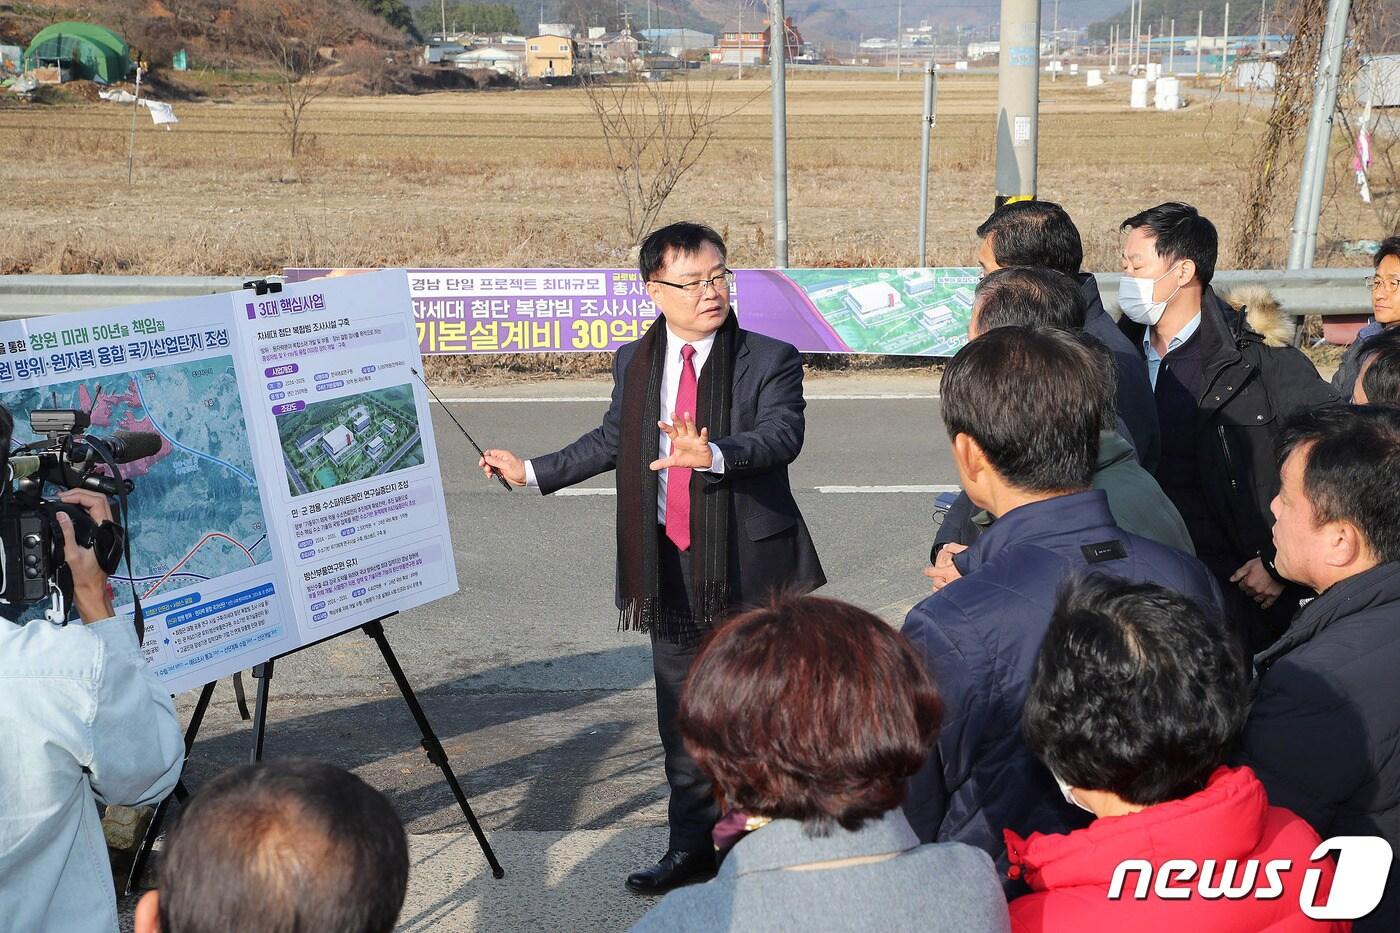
143 852
262 673
434 748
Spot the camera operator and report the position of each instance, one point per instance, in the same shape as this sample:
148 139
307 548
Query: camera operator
83 721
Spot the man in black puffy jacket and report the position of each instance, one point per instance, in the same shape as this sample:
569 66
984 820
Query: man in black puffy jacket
1324 730
1023 409
1222 395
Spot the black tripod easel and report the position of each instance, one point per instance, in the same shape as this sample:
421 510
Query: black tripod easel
263 674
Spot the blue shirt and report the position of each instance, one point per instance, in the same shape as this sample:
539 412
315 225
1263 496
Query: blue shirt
83 721
1154 361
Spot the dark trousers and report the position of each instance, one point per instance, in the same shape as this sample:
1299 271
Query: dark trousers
692 810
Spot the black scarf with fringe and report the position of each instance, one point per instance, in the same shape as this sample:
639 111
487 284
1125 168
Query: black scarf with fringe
643 609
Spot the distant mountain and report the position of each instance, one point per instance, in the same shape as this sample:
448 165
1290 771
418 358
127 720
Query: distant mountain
818 20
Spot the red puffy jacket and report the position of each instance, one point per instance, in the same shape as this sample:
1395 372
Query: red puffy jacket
1070 874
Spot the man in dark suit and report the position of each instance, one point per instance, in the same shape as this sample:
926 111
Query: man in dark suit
704 420
1041 234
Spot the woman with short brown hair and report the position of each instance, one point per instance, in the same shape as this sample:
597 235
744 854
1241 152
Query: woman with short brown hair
811 715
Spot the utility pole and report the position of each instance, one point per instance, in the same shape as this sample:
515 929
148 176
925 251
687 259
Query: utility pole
741 40
777 57
930 101
1147 51
1263 23
444 19
131 145
1302 244
1171 51
1055 45
1137 34
1018 100
899 43
1225 43
1200 37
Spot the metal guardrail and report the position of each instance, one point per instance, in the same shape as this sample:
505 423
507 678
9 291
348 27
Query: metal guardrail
1310 291
1305 291
41 295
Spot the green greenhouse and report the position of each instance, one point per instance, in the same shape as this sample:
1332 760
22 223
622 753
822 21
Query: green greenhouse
88 51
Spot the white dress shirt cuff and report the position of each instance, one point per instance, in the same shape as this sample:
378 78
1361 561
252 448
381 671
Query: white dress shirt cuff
530 481
716 460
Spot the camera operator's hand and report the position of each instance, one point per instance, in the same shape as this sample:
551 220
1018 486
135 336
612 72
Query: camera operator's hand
90 592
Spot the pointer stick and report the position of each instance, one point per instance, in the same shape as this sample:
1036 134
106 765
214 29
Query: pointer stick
474 444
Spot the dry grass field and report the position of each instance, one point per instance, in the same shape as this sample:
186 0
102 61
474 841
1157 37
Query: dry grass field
520 178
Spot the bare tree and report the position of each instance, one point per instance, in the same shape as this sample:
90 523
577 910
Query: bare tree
655 134
1274 163
299 39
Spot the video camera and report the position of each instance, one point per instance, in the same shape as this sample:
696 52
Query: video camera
31 541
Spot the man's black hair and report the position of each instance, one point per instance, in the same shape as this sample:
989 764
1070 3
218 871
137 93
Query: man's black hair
1353 469
1136 691
683 238
1034 233
1380 355
1031 397
1029 297
290 845
1181 233
1390 246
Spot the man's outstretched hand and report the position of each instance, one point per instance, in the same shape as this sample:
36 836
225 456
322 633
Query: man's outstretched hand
505 463
690 447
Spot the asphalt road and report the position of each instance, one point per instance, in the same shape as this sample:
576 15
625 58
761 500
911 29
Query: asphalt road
546 710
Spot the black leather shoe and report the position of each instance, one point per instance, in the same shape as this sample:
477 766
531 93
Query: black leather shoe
675 869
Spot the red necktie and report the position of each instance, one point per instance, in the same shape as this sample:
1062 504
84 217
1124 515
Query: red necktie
678 478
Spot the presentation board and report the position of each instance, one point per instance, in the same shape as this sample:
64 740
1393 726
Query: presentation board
296 491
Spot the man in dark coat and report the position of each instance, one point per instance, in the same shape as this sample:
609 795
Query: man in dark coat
1222 396
1023 409
1040 234
1324 729
707 523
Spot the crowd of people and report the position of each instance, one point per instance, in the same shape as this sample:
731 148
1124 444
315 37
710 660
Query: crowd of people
1157 668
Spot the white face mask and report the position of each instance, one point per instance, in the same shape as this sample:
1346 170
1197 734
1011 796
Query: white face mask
1135 298
1069 793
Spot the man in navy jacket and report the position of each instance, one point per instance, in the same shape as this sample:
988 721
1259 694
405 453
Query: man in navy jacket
1324 727
1041 235
1023 416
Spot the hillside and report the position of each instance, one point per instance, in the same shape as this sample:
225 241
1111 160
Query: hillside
224 34
1380 16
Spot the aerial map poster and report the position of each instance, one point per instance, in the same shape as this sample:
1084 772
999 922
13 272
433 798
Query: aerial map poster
295 493
905 312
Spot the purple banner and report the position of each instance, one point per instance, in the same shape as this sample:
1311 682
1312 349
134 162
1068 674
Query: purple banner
914 312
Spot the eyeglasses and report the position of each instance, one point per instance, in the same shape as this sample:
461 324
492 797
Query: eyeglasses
722 283
1374 282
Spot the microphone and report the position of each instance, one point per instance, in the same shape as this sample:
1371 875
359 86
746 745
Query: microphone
23 467
128 446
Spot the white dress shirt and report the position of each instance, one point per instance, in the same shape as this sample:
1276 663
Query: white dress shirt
670 385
